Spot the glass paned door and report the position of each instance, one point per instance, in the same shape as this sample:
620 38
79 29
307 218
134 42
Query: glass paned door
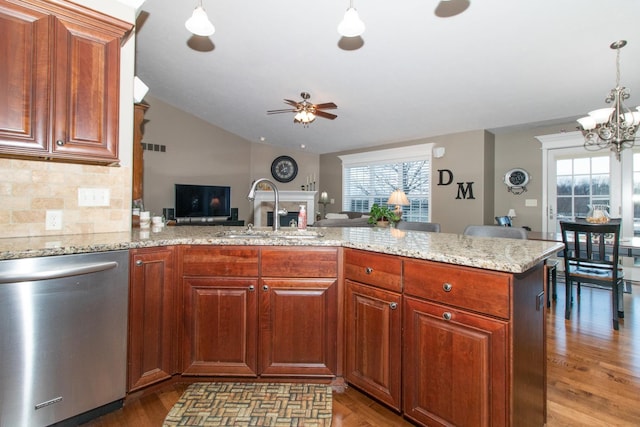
576 180
636 193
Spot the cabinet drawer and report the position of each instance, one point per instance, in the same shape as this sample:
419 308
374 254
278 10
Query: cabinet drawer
299 262
472 289
384 271
220 261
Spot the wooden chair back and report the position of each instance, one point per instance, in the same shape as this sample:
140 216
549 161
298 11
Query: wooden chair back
591 255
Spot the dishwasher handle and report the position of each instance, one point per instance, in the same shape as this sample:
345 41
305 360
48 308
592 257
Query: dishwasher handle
56 273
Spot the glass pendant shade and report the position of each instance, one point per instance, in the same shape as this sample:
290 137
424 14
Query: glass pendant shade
199 23
351 25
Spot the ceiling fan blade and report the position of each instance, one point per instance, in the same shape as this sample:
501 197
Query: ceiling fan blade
290 102
325 115
326 106
287 110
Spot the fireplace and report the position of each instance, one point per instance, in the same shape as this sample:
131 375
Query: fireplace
285 220
263 204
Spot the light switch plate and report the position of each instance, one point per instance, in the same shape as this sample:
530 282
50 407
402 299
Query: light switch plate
531 202
93 196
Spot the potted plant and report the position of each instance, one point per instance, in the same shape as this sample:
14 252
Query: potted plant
382 215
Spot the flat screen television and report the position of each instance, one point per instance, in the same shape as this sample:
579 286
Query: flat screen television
202 203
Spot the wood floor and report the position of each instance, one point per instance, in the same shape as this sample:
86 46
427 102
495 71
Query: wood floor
593 374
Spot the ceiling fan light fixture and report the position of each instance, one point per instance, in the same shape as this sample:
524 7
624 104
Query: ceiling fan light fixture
199 23
351 25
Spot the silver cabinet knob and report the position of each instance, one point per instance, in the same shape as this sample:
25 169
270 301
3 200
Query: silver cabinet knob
447 287
252 288
265 288
368 270
59 143
139 263
393 305
446 315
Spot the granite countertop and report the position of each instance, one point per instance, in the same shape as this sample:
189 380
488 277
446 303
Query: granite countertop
509 255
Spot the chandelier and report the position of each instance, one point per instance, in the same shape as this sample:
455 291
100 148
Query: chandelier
613 127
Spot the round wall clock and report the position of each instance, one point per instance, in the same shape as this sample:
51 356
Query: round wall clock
516 180
284 169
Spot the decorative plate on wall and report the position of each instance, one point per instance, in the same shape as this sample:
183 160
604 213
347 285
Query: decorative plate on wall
516 180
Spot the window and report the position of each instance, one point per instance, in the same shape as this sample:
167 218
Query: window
371 177
636 193
581 182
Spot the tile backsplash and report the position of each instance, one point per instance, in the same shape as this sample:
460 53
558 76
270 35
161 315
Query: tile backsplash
29 188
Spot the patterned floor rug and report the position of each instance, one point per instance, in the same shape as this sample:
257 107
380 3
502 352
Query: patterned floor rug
252 404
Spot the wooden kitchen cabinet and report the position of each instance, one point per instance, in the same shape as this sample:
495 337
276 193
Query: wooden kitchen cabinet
298 312
237 322
61 82
151 316
373 319
373 342
474 347
219 312
454 366
221 324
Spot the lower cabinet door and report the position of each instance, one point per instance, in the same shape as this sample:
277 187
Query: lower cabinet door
373 342
455 366
151 317
298 327
220 327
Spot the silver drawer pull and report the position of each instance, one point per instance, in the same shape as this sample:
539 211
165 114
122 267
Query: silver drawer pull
252 288
393 305
446 315
265 288
447 287
368 270
139 263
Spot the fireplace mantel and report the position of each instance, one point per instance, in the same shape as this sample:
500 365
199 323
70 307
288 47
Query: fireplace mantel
264 202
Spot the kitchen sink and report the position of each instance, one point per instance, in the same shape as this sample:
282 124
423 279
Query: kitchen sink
289 235
299 236
236 235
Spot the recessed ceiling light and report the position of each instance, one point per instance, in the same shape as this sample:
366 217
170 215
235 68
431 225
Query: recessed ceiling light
263 139
303 146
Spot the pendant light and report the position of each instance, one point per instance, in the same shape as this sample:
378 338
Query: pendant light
613 127
351 25
199 23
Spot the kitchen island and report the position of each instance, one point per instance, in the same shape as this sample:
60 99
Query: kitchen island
445 329
514 256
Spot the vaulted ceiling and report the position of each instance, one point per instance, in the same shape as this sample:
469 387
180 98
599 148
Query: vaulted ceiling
419 69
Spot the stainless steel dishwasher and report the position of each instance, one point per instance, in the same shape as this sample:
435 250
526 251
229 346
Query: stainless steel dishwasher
63 326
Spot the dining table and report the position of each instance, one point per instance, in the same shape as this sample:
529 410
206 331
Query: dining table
628 247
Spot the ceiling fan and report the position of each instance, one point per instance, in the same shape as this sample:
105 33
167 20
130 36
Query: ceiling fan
306 112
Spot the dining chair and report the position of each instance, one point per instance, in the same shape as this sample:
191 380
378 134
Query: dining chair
495 231
504 221
591 256
418 226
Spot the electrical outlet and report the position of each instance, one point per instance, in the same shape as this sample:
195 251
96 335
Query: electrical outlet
54 220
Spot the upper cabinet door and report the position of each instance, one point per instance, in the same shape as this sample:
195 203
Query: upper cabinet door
86 76
59 90
24 78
